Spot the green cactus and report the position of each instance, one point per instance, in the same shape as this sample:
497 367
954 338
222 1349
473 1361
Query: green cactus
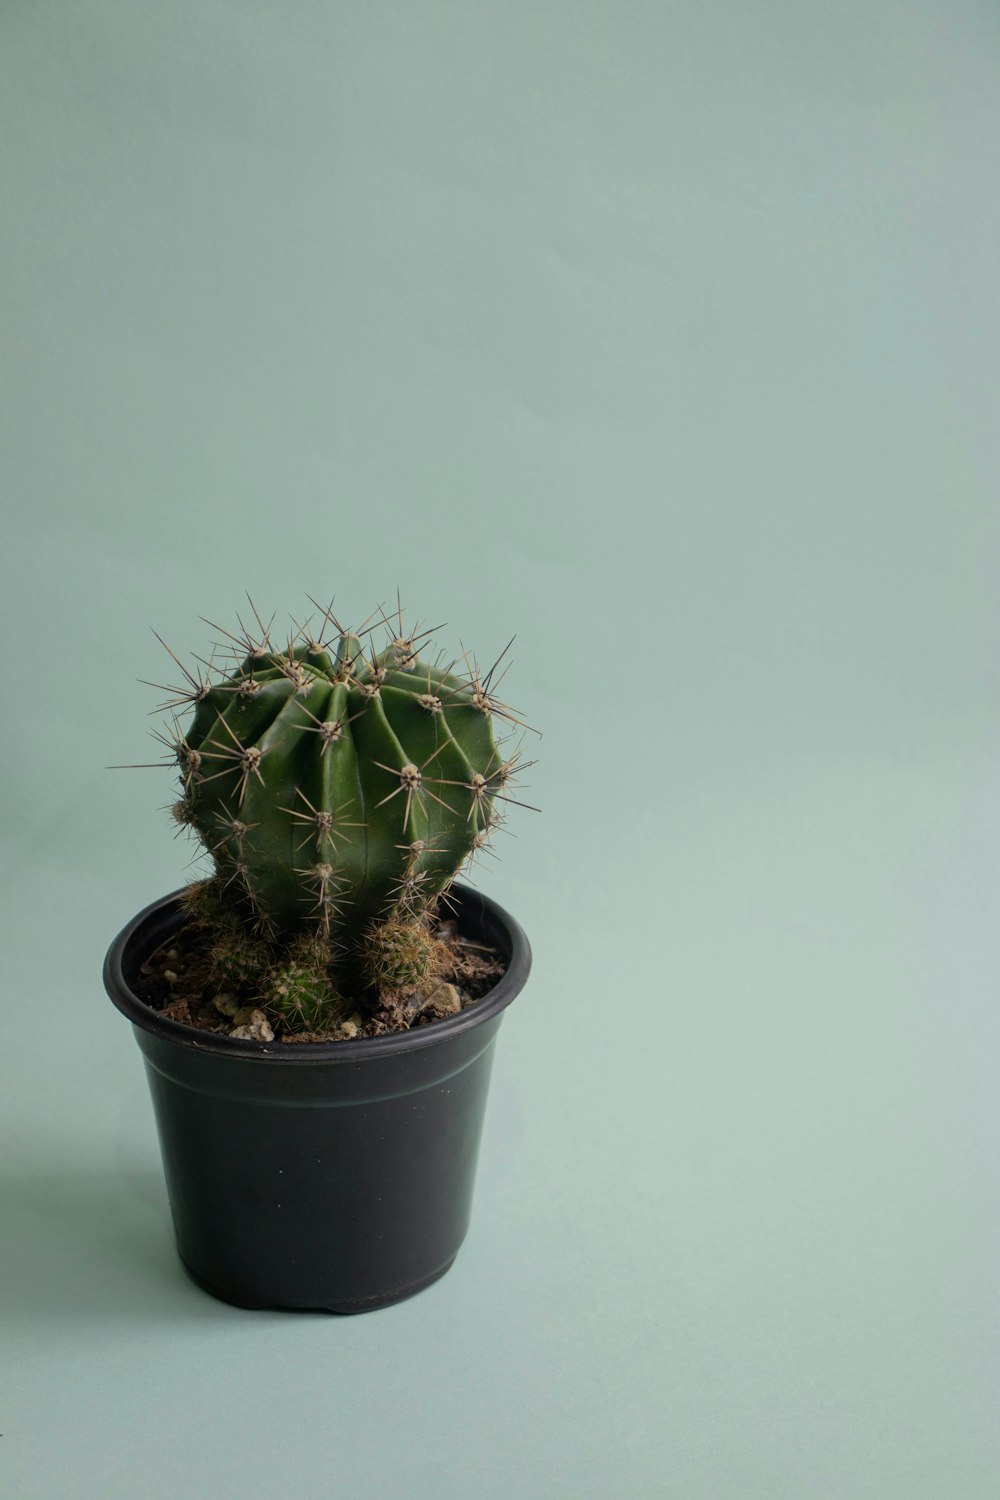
398 953
300 990
336 788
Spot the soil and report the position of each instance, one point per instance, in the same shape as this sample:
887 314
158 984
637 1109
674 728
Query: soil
175 981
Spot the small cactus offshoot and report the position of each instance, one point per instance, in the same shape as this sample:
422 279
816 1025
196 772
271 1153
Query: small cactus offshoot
338 787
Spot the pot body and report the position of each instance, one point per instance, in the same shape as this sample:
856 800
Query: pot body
335 1175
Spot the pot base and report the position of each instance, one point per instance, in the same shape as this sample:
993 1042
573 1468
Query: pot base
345 1309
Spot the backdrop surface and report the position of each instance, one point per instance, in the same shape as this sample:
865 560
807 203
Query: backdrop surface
665 336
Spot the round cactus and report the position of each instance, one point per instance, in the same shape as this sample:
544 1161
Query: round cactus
300 990
336 786
396 954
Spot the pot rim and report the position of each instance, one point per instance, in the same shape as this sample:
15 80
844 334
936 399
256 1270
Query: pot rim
309 1054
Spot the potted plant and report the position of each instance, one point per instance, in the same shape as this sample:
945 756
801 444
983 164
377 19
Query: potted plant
318 1015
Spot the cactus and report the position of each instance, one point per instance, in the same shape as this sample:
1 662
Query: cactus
300 990
338 790
396 953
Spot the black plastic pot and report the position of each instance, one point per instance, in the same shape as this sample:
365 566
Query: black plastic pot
327 1175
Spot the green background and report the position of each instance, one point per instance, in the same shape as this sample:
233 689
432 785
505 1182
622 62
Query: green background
665 335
